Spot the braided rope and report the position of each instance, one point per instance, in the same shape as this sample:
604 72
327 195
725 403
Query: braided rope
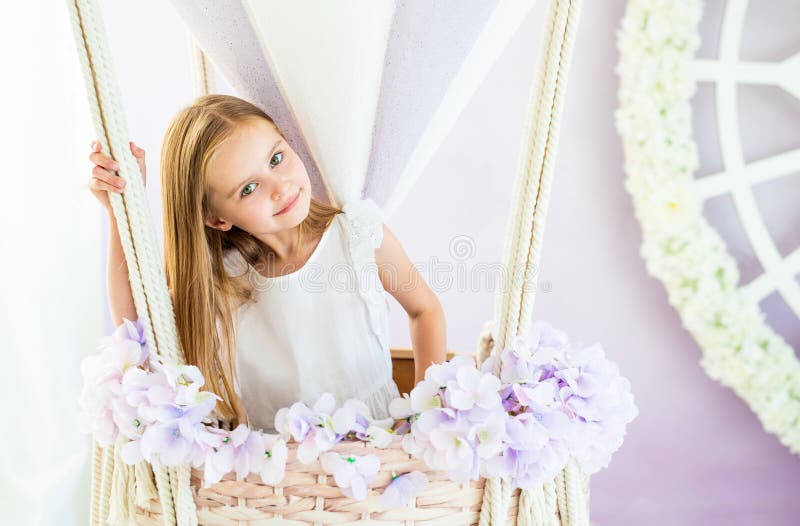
525 509
164 489
493 488
550 502
567 25
524 237
145 489
122 505
536 507
98 466
96 482
560 55
204 81
485 341
561 496
573 481
137 235
106 474
184 505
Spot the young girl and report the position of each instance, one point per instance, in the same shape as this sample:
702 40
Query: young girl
278 297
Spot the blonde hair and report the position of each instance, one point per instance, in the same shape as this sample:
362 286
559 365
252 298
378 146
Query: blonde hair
204 295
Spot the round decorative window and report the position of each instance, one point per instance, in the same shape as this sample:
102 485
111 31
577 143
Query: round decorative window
659 75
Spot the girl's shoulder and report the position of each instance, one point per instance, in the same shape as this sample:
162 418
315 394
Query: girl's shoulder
363 219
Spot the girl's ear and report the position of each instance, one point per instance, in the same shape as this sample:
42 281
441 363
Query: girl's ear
218 223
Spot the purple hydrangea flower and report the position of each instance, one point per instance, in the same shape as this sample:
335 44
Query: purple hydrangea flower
551 400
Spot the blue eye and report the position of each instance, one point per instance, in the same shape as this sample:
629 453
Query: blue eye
245 193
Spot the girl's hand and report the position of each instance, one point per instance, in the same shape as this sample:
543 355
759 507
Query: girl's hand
104 179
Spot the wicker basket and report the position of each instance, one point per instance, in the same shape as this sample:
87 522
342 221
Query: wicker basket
308 496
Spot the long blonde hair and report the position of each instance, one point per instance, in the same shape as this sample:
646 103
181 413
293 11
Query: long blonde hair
205 296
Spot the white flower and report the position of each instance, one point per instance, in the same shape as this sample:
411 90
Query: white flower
427 394
351 473
380 436
489 434
402 489
275 455
674 207
400 408
471 388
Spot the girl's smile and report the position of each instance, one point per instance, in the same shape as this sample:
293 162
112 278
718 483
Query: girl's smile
291 204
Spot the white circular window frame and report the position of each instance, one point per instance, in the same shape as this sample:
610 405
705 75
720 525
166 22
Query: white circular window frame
658 75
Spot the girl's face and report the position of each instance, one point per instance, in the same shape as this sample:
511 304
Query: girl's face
253 177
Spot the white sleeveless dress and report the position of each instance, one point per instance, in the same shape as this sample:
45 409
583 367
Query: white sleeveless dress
322 328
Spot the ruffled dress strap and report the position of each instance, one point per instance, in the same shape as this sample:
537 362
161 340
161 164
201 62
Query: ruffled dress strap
363 219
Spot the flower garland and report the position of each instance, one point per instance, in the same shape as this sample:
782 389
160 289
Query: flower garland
552 400
162 417
657 41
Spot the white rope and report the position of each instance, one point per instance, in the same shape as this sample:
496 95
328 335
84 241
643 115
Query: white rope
145 489
525 508
96 481
550 501
106 474
573 481
122 505
203 78
187 508
137 234
524 236
565 26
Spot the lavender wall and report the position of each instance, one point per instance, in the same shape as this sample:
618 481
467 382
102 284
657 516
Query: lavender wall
696 455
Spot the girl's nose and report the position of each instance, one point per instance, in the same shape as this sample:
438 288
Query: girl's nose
280 193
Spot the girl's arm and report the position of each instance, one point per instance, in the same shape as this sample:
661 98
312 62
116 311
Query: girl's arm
120 297
403 281
105 179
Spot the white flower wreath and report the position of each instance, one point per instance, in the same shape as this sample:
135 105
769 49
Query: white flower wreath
657 41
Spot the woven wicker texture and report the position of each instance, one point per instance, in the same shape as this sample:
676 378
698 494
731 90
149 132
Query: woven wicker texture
308 496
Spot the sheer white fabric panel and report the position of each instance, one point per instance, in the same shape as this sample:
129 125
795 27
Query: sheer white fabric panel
327 58
223 31
372 88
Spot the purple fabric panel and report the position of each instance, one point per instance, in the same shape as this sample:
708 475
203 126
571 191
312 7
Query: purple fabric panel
428 43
